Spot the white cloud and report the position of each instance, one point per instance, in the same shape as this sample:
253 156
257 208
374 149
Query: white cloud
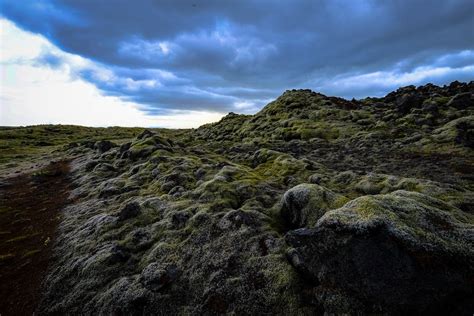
16 44
393 78
39 95
146 50
188 119
380 82
33 93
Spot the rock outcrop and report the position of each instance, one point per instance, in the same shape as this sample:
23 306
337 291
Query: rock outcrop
403 252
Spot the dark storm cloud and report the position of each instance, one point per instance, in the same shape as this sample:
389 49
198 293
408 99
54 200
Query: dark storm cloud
223 56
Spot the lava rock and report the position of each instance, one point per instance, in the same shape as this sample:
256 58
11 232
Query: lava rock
304 204
124 147
130 210
90 165
139 153
406 102
155 277
145 134
104 145
104 167
397 253
179 219
465 135
460 131
462 100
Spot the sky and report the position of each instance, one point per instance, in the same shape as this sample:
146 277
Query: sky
180 64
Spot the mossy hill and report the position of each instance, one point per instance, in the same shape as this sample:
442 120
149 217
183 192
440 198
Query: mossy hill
313 205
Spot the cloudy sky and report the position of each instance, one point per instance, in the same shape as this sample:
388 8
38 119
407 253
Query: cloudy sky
184 63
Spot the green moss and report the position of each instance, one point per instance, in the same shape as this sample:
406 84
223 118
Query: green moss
283 281
307 133
304 204
405 212
282 166
441 100
242 166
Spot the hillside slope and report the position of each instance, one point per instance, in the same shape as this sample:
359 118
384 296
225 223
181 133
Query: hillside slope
313 205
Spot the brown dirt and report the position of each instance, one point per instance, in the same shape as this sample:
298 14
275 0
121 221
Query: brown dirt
30 207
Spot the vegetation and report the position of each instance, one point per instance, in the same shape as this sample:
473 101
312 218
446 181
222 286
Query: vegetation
306 207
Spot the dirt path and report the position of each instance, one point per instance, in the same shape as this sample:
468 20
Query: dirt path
29 215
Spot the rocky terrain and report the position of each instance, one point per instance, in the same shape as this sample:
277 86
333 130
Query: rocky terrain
313 205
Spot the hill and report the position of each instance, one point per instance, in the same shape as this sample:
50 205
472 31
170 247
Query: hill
313 205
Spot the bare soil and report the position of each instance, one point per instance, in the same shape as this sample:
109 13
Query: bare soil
30 207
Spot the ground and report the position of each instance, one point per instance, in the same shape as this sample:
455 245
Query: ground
30 212
307 207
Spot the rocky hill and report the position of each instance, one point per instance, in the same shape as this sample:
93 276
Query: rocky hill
314 205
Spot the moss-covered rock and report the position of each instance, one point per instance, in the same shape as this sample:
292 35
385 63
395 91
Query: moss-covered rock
459 131
304 204
104 145
389 249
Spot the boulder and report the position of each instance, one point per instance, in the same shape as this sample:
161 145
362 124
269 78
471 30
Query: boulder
465 133
461 100
398 253
315 178
177 191
90 165
155 277
371 184
138 239
111 187
304 204
236 219
130 210
103 146
179 219
145 134
408 101
430 107
124 147
139 152
460 131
